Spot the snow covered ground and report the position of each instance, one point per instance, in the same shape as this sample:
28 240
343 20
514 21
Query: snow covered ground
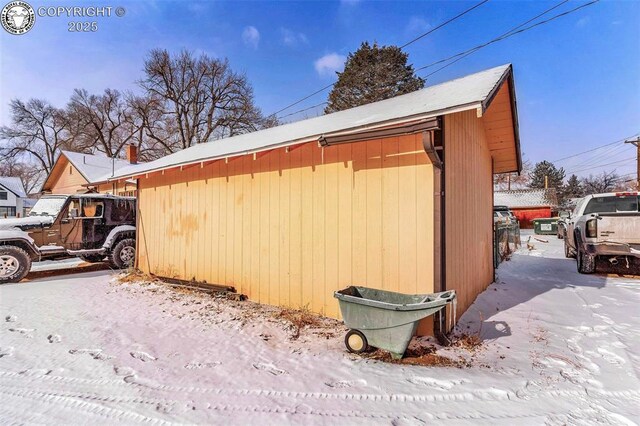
558 348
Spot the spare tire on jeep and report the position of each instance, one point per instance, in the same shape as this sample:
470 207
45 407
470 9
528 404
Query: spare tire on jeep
123 254
15 264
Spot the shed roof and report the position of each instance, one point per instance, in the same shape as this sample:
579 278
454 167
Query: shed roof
93 168
474 91
13 184
526 198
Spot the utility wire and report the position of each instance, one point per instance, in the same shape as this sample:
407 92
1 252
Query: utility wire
619 162
503 37
608 153
594 149
303 110
516 30
444 23
303 99
404 45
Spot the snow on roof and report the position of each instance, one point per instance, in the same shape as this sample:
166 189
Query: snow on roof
94 168
526 198
461 94
13 184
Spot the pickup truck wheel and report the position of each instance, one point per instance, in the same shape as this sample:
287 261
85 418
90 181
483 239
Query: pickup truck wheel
586 263
15 264
123 254
568 253
94 258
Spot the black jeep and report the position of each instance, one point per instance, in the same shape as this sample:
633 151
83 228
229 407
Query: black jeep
90 226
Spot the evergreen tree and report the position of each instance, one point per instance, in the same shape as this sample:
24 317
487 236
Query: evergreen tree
554 176
573 188
372 73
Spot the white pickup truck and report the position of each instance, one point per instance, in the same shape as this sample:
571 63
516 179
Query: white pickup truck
604 225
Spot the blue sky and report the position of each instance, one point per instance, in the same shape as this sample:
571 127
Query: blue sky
577 78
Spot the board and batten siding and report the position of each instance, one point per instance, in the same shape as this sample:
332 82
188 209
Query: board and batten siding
290 228
67 179
469 207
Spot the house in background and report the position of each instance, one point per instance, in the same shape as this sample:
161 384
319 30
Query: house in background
76 172
12 197
394 195
528 204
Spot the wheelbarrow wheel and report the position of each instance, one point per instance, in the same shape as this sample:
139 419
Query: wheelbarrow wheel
356 342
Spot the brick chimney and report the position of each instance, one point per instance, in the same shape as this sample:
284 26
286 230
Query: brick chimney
132 154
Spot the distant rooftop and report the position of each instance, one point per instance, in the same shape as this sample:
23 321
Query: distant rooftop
526 198
13 184
95 168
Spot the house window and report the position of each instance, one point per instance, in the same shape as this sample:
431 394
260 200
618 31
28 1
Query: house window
3 195
7 211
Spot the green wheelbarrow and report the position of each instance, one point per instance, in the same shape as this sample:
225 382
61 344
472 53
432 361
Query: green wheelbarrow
385 319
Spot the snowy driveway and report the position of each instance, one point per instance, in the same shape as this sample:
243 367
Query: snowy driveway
559 348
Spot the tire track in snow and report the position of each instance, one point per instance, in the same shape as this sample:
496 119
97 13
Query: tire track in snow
89 407
477 395
481 395
302 409
63 379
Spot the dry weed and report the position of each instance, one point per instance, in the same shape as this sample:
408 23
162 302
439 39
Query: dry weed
299 320
134 276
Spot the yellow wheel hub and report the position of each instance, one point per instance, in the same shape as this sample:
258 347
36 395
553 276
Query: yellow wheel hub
356 343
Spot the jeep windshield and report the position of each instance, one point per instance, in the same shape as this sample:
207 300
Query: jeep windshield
48 206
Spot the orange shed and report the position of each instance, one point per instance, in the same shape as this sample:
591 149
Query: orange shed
75 172
395 195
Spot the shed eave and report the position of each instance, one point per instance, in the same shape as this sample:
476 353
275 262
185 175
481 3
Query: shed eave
312 138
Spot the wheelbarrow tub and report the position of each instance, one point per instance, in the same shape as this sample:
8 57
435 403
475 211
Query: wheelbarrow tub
388 319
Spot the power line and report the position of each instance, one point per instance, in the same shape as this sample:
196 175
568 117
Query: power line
505 36
593 149
443 24
610 153
303 110
404 45
473 49
303 99
516 30
619 163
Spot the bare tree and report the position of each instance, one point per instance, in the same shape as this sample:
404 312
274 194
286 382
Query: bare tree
30 176
156 137
605 182
508 181
38 130
104 122
196 99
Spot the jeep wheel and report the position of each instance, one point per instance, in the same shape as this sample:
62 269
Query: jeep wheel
567 250
15 264
586 263
123 254
93 258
